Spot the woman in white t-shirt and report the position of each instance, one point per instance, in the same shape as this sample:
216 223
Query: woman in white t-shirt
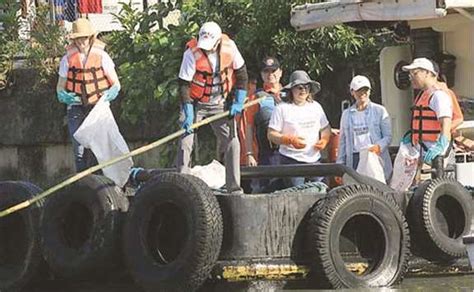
300 127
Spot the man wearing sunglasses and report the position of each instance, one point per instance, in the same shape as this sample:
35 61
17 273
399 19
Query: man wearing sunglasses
365 125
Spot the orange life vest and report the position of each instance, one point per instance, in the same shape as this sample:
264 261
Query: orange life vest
458 116
87 80
203 79
425 125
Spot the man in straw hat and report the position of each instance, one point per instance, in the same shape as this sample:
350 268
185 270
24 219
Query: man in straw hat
86 74
212 73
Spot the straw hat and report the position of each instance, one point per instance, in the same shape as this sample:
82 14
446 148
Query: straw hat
81 28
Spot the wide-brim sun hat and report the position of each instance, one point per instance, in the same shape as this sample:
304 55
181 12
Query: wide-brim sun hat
209 34
301 77
81 28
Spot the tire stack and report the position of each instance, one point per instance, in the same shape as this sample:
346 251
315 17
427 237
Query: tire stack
82 227
440 213
357 237
20 253
173 234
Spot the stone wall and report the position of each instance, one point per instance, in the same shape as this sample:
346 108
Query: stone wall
34 142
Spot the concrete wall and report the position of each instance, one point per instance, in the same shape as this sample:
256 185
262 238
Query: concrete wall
460 43
34 142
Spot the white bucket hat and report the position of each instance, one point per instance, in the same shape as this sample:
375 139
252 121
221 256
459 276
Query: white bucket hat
209 34
421 63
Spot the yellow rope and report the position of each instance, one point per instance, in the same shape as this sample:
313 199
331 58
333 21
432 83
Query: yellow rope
135 152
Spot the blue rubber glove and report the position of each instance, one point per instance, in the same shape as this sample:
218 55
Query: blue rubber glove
68 97
188 109
406 139
111 93
238 104
268 102
438 149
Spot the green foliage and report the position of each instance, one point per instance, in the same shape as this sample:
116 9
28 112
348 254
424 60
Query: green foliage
10 44
46 46
148 52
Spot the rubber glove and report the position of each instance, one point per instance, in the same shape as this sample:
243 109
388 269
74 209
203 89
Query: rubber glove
437 149
188 109
267 102
321 144
111 93
376 149
406 139
297 142
68 97
238 104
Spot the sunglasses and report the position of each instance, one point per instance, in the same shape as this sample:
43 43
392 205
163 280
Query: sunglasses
302 87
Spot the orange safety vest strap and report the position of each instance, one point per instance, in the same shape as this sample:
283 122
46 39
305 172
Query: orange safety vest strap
89 79
425 125
203 79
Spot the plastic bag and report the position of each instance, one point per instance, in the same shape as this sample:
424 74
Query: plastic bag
370 164
405 167
213 174
100 133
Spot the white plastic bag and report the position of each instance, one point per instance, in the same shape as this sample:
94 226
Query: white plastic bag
404 168
100 133
370 164
213 174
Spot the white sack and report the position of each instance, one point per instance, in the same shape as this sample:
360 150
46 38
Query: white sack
404 168
213 174
100 133
370 164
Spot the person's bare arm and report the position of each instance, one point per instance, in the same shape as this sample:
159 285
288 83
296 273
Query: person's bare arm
446 127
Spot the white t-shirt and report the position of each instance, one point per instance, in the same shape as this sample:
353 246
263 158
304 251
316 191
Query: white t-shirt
304 121
361 130
442 104
107 64
188 68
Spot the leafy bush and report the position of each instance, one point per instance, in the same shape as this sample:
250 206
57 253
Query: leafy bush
10 44
47 45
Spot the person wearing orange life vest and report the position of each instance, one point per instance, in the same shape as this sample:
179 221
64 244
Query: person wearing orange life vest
86 74
212 76
432 113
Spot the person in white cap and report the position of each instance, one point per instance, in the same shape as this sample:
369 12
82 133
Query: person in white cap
365 125
212 76
432 112
86 74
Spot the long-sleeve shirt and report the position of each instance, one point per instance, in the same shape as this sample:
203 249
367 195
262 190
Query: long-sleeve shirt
380 132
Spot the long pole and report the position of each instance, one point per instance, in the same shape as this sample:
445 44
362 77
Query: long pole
135 152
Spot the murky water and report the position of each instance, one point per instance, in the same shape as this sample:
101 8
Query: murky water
462 283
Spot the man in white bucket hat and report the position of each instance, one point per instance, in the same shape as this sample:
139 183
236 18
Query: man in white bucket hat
212 76
86 74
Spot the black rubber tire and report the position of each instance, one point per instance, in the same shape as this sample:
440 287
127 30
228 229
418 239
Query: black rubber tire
184 208
20 252
81 228
439 215
371 224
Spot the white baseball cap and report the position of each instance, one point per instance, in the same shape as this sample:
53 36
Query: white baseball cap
209 34
359 82
421 63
